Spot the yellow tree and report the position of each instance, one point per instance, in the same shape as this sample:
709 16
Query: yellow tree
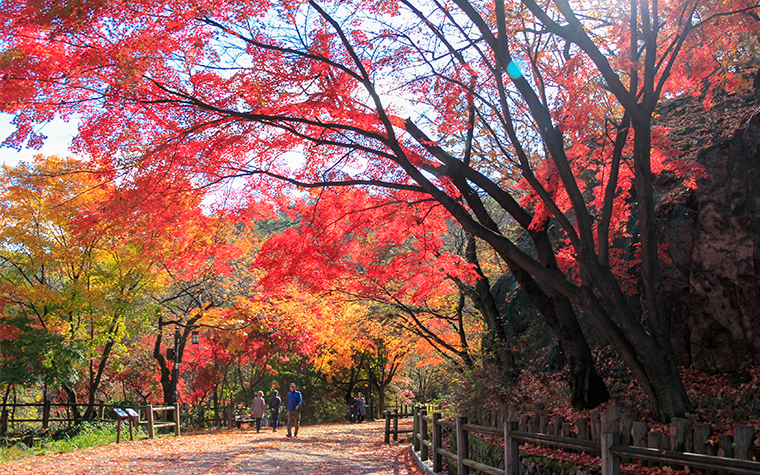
348 346
64 274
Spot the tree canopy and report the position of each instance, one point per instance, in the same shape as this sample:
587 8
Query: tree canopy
507 115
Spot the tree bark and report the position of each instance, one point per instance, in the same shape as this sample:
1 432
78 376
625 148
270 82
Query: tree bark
587 388
165 374
497 343
73 401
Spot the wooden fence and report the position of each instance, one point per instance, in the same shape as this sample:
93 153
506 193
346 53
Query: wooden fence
391 423
152 424
45 413
609 435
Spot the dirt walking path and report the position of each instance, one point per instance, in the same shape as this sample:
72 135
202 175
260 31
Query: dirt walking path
329 449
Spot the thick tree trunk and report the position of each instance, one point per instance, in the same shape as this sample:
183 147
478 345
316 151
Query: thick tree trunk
655 372
670 392
95 380
497 342
73 401
587 388
165 374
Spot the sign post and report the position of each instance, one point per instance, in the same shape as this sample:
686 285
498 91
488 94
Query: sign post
134 418
120 414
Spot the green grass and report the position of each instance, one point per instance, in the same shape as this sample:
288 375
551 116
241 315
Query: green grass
82 436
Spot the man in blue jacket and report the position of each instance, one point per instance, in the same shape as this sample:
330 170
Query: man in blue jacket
293 402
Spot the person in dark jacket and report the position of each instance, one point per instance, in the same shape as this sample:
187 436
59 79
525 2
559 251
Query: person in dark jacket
293 401
274 409
352 408
361 410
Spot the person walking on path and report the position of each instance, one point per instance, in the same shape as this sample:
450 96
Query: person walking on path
361 411
274 409
352 403
257 409
293 402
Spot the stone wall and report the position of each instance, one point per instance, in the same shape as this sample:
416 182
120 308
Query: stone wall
713 236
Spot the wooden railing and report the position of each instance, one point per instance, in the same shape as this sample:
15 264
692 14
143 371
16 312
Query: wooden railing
104 413
427 445
47 413
391 424
151 423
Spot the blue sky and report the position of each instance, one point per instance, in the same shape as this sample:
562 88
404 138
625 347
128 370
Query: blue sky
59 137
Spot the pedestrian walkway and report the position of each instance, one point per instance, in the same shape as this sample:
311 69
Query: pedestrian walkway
329 449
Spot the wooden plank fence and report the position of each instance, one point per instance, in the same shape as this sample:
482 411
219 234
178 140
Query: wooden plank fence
152 424
46 413
391 424
613 435
41 413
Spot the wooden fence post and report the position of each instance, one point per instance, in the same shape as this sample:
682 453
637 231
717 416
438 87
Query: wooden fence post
678 428
423 435
416 428
725 446
437 443
583 427
744 437
596 426
626 427
149 416
702 432
394 416
511 450
610 461
387 415
463 447
176 419
230 417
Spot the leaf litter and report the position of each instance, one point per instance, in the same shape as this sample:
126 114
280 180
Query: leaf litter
330 449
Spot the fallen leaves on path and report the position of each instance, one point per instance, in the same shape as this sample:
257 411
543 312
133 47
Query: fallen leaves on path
330 449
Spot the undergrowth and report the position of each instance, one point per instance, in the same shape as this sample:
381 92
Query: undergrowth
721 400
78 437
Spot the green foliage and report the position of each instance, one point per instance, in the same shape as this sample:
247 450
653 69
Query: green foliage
35 355
77 437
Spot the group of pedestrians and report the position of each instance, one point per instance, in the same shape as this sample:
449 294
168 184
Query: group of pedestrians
293 402
356 410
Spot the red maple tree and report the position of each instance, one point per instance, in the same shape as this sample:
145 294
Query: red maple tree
559 96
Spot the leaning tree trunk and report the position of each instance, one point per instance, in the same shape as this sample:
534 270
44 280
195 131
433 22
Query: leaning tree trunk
498 340
165 374
587 388
73 401
666 380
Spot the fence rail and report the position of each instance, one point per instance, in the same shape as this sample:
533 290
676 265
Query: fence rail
43 412
427 445
151 423
104 412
